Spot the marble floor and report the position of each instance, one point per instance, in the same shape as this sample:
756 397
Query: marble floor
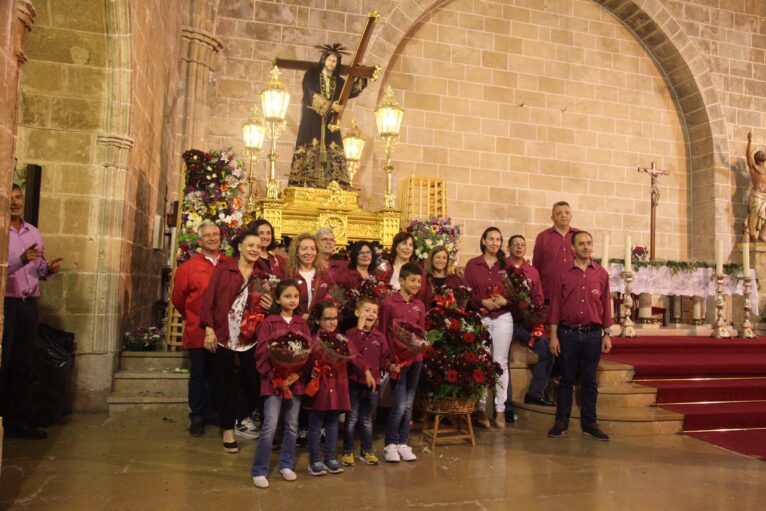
96 462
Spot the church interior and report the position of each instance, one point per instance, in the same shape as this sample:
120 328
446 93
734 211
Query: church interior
642 115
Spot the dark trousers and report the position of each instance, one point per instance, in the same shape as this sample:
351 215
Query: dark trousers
19 340
364 404
580 352
542 370
200 385
234 370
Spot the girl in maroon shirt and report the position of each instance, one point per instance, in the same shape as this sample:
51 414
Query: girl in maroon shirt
282 320
331 399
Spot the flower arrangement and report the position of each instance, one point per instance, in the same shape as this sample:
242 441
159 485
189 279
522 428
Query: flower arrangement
459 365
288 352
213 184
332 351
432 233
143 338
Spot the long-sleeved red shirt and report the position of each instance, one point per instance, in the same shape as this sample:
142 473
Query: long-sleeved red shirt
581 298
483 280
426 294
553 253
372 347
225 284
189 285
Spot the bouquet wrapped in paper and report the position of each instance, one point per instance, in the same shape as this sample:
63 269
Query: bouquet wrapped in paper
409 342
374 288
523 308
254 314
344 299
288 352
332 350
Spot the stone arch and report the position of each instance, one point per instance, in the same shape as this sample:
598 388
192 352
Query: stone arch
688 77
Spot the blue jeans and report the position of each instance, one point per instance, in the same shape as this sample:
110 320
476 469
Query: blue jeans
200 389
329 421
542 370
580 352
364 404
402 396
271 408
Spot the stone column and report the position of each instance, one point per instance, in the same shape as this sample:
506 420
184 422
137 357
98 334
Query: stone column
197 50
16 19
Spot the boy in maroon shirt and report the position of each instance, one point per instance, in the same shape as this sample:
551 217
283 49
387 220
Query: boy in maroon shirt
403 306
372 346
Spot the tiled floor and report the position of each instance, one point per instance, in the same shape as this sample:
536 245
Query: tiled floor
94 462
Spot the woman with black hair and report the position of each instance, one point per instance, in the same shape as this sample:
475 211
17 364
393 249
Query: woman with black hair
402 252
226 300
319 157
268 262
484 275
361 263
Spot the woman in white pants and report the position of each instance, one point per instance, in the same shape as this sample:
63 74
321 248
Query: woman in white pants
484 274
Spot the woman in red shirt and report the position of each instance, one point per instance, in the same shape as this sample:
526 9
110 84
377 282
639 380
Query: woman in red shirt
438 280
484 275
310 272
268 262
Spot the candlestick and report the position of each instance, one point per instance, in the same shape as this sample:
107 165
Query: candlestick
605 254
746 258
626 323
628 255
747 327
720 328
719 257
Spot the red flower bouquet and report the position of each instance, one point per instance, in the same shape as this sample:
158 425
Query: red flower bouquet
288 352
523 307
409 342
254 314
332 351
373 288
460 365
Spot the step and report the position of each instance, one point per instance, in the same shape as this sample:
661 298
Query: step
135 382
613 372
614 421
625 395
707 389
158 360
154 402
733 415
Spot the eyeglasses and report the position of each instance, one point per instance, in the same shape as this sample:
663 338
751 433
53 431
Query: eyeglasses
328 319
518 244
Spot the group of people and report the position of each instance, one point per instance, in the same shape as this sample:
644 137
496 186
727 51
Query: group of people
213 292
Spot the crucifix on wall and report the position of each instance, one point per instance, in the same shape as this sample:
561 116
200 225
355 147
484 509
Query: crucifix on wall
654 172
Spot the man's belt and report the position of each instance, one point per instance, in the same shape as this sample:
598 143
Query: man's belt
20 298
582 329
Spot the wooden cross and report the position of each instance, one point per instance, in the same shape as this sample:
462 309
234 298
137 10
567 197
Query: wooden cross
355 70
654 172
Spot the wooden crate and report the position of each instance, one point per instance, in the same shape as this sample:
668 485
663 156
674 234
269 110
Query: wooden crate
422 197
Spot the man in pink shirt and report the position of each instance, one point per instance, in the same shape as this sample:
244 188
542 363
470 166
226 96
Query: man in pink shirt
26 267
553 247
580 318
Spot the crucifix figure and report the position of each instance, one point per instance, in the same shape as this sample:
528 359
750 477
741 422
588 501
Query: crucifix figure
319 159
654 173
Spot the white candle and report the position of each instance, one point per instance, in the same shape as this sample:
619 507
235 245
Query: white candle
719 257
628 255
605 253
746 258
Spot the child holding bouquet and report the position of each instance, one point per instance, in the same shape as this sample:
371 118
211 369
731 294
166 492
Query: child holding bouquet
329 388
281 356
402 308
372 346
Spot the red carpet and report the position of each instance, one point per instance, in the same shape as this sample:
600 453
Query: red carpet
715 384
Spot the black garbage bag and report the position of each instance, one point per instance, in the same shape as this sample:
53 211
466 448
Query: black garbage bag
54 361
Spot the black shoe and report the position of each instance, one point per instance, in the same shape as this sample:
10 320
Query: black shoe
594 431
197 428
559 428
541 401
28 432
511 417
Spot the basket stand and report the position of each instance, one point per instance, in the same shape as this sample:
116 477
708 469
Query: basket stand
460 414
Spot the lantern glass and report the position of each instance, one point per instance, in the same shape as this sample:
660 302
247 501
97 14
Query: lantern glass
274 103
353 147
253 133
388 115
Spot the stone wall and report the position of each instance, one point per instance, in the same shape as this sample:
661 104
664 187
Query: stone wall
521 103
97 93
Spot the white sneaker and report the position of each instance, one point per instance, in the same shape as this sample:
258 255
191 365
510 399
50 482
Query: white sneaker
405 453
391 453
246 428
261 482
288 474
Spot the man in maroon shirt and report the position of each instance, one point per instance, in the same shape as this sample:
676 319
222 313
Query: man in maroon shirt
553 247
580 318
522 330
